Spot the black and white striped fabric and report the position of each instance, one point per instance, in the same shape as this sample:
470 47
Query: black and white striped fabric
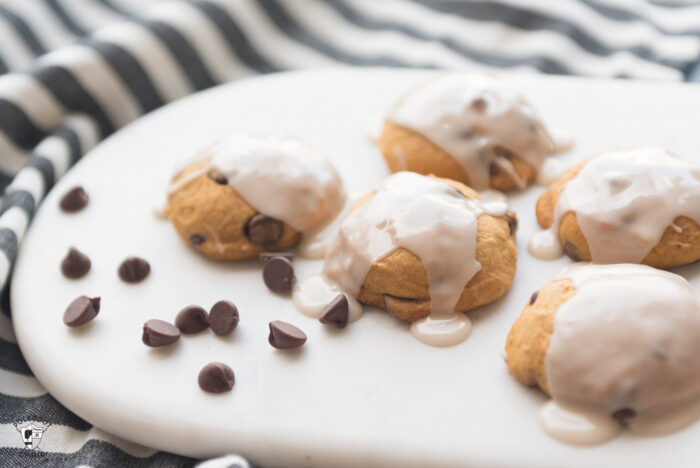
74 71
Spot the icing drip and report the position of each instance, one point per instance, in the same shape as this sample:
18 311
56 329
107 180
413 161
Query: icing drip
279 176
476 119
430 219
627 340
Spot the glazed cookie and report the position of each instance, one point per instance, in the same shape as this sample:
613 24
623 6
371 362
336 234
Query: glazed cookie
250 194
639 205
470 128
423 247
610 340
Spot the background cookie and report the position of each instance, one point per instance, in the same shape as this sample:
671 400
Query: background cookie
679 243
406 150
473 128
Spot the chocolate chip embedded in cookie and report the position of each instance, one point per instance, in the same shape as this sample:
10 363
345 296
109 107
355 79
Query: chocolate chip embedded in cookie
637 205
471 128
621 340
249 194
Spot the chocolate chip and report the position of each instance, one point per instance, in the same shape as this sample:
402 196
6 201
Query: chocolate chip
478 105
278 274
533 298
75 200
265 256
159 333
624 414
192 319
81 311
223 318
571 250
336 313
134 269
217 177
512 218
216 377
264 230
284 335
502 152
75 264
493 169
197 239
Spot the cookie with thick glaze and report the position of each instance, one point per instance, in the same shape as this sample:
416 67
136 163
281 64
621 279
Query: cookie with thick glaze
398 282
679 241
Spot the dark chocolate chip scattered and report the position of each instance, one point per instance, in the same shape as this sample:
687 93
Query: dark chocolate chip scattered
533 298
512 219
336 313
223 318
192 319
197 239
134 269
493 169
75 264
81 311
571 250
264 230
216 377
625 414
265 256
278 274
284 335
217 177
75 200
159 333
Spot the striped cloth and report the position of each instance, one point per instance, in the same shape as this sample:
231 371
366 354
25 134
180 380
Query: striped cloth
74 71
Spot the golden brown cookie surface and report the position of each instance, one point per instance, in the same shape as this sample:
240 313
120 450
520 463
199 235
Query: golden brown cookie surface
677 246
407 150
529 337
216 221
398 283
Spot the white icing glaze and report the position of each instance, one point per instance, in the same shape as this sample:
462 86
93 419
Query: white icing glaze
314 243
629 338
545 245
441 332
374 128
578 425
494 202
160 204
430 219
666 420
473 117
551 170
279 176
563 139
624 200
312 294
